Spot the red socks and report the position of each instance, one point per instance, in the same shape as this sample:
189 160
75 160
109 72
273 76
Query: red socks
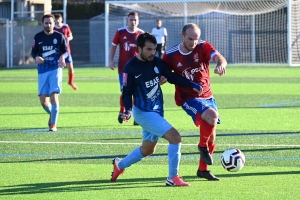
71 83
205 132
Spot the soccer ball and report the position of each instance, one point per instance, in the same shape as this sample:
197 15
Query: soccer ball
233 159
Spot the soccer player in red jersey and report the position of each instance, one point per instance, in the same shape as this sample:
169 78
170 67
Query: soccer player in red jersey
191 59
66 31
125 37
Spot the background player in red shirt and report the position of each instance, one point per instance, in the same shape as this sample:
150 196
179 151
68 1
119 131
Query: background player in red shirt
191 59
66 31
125 37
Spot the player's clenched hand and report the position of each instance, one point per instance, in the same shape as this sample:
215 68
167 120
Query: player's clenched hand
127 115
162 80
39 60
220 69
111 65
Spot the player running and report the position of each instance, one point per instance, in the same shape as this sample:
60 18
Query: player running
66 31
141 77
190 59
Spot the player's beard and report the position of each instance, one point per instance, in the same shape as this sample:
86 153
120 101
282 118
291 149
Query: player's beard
47 30
145 58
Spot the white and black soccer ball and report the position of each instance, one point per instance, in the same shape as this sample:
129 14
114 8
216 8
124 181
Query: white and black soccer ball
233 160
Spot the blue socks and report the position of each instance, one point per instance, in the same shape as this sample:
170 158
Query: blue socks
134 157
54 113
174 156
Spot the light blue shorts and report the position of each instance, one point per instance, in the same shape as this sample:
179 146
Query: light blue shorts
69 59
50 81
153 125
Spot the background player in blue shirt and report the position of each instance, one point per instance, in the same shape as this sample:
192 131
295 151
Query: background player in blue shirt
141 77
49 50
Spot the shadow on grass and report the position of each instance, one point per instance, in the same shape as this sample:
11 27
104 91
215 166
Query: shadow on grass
74 186
89 185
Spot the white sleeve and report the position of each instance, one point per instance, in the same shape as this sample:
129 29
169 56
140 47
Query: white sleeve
165 32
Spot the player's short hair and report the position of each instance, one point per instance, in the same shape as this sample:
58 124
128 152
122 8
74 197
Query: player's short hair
158 20
47 16
57 15
145 37
189 25
134 13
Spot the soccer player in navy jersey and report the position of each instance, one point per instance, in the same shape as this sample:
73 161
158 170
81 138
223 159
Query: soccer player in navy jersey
66 31
125 37
191 59
49 50
141 77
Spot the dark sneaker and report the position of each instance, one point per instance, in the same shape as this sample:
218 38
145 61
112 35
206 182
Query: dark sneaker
135 123
206 174
205 155
116 171
176 181
120 118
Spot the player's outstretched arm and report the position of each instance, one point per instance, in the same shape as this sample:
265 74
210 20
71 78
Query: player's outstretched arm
221 65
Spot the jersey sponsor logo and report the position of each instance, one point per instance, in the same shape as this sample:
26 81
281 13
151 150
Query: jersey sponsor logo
128 45
40 42
189 73
47 48
48 53
137 76
125 77
124 37
155 107
179 65
54 41
152 82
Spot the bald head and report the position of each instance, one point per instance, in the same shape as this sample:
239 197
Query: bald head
191 26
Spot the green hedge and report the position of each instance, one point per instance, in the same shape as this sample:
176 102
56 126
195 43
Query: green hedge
80 10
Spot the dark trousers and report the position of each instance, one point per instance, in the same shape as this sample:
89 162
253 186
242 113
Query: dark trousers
159 50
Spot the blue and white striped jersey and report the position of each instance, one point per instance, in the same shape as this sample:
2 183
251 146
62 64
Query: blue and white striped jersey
141 80
50 47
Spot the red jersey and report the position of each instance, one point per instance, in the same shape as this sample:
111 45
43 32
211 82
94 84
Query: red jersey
127 49
66 31
194 66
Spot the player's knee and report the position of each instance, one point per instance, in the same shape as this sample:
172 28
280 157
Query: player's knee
210 116
147 151
173 136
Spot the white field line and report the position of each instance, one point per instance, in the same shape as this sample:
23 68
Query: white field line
120 143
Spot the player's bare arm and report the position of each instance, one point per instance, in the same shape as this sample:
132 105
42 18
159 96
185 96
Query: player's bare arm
69 38
221 65
111 58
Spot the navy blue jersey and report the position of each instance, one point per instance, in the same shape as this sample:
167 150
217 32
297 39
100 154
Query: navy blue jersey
50 48
141 80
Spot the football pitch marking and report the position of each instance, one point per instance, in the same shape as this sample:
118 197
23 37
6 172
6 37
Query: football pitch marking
279 104
138 143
